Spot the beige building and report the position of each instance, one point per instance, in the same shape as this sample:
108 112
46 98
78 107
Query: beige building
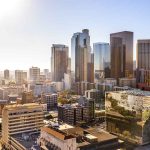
20 119
27 97
52 138
59 61
10 90
34 74
121 46
20 77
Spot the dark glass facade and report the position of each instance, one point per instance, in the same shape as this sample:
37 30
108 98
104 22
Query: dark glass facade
121 46
59 61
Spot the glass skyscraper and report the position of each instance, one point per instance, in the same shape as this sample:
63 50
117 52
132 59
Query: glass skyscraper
80 55
59 61
101 60
143 61
121 46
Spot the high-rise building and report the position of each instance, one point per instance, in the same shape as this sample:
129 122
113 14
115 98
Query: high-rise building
75 113
20 77
20 119
59 61
46 73
143 54
69 65
34 74
143 62
90 69
80 55
6 74
27 97
121 46
96 95
80 87
101 60
50 100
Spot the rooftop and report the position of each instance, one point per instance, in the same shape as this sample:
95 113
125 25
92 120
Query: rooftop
27 140
21 106
57 133
91 133
135 92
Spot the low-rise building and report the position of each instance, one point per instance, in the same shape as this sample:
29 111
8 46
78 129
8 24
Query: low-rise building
52 138
128 115
20 119
77 138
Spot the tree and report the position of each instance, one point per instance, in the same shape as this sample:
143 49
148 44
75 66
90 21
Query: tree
126 133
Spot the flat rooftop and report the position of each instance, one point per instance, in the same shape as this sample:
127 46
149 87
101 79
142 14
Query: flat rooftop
91 133
21 106
135 92
27 140
57 133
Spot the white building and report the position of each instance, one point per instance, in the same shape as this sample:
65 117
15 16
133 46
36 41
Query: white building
34 74
67 81
38 89
53 138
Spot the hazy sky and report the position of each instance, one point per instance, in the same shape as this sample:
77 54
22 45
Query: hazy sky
28 28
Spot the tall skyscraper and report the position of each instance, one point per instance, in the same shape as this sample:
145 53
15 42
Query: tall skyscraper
121 46
90 69
20 76
59 61
143 61
101 60
34 74
143 54
6 74
80 55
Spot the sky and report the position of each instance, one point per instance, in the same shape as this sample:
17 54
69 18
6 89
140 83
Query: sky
28 28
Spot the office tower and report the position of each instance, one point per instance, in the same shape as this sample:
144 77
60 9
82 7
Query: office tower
128 115
67 81
130 82
121 46
143 54
50 100
20 119
143 62
59 61
6 74
101 60
90 69
72 114
34 74
46 73
96 95
69 65
27 97
20 77
80 87
80 55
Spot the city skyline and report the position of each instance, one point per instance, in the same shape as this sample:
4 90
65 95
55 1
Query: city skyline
28 28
